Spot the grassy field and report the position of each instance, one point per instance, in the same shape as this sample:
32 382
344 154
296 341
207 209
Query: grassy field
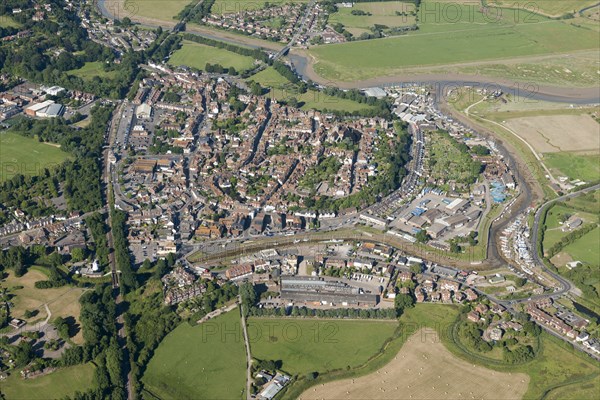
27 156
574 166
92 69
382 13
206 361
554 232
445 37
556 365
547 7
62 302
586 248
234 6
197 55
57 385
281 89
7 22
317 345
155 9
425 369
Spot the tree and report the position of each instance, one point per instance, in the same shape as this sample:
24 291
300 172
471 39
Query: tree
422 236
402 302
78 254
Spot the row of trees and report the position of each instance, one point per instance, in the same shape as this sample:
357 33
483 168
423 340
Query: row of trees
295 311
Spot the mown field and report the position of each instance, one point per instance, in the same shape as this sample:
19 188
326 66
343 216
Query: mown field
202 362
57 385
27 156
381 13
281 89
7 22
317 345
197 55
451 34
92 69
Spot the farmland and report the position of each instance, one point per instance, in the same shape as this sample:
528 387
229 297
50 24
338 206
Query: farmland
193 362
424 368
27 156
449 36
556 367
62 302
56 385
305 346
553 8
158 10
92 69
381 13
556 133
197 55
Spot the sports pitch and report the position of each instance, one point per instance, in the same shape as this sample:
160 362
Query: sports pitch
23 155
198 55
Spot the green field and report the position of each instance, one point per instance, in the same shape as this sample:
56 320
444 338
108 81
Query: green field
585 249
547 7
382 13
92 69
448 36
281 89
7 22
553 231
156 9
56 385
202 362
317 345
556 365
27 156
197 55
575 166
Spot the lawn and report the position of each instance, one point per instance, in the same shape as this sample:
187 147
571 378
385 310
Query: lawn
574 166
62 302
27 156
197 55
317 345
57 385
7 22
92 69
202 362
281 89
447 36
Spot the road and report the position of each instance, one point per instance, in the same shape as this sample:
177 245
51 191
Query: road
248 353
566 285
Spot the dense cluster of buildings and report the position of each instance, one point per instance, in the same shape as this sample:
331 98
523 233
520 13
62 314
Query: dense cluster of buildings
274 22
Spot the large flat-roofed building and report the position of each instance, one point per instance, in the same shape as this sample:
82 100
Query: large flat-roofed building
318 290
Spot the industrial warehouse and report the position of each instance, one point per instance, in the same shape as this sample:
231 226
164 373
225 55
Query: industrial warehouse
324 292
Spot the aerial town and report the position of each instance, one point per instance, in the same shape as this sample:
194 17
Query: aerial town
281 200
